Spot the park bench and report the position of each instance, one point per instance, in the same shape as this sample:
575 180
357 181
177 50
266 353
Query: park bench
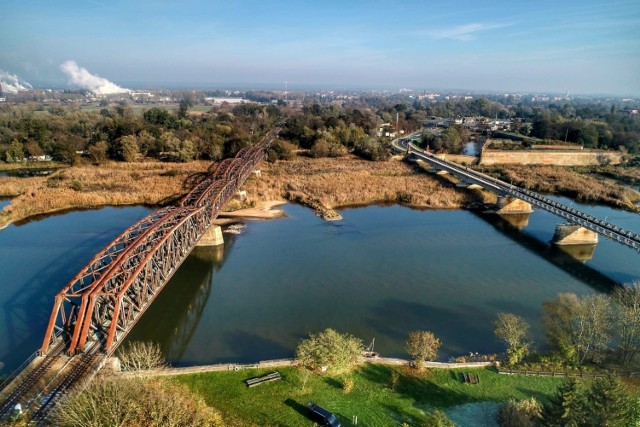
470 378
252 382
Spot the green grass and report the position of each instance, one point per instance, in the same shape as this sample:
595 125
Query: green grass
372 400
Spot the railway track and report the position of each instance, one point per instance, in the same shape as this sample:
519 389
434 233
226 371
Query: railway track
27 383
83 365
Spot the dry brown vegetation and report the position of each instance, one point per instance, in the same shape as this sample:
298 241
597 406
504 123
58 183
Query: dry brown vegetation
559 180
321 183
135 402
89 186
350 181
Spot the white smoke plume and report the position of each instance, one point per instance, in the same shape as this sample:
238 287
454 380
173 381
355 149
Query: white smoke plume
12 83
83 79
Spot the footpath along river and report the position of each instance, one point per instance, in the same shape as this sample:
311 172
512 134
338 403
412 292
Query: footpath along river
381 272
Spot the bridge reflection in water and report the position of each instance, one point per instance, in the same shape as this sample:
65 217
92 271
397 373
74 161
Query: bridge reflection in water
174 316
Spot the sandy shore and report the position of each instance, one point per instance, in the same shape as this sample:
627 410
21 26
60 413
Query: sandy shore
264 210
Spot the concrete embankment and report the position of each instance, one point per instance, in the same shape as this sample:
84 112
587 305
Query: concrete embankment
557 158
292 362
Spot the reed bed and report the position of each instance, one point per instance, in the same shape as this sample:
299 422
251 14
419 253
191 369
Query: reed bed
585 188
150 183
333 183
349 181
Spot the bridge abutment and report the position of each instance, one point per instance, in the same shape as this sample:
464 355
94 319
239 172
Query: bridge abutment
211 237
573 234
510 205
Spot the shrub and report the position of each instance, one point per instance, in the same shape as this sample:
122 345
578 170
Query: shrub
329 349
437 418
141 356
134 402
347 385
524 413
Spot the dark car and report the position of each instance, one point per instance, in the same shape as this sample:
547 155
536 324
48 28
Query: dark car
327 418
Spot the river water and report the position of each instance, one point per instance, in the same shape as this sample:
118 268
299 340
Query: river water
381 272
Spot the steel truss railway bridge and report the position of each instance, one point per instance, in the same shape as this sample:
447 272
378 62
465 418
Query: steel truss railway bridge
95 311
470 177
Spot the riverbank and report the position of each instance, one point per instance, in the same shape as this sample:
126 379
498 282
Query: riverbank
322 184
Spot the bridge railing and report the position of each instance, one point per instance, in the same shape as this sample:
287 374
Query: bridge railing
583 219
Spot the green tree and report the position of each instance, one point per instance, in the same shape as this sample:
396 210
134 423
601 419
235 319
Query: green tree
421 346
610 405
605 403
514 332
176 150
329 349
15 153
568 407
128 148
98 151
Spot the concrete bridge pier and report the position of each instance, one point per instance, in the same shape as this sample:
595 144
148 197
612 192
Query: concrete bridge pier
211 237
573 234
508 205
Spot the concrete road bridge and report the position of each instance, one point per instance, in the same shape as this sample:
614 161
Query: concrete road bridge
581 228
96 310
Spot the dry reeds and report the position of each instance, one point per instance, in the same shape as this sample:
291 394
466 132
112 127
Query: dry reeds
351 181
89 186
558 180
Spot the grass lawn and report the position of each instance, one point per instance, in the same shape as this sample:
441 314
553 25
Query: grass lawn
372 400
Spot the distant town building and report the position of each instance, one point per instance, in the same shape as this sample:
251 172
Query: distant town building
230 100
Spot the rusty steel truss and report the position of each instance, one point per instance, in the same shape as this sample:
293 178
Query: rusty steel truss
107 297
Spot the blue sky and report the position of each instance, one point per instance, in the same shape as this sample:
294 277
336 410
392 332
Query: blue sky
538 46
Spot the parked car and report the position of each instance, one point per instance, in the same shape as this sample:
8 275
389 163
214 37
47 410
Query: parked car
327 418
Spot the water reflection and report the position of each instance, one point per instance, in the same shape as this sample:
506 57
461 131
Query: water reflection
568 258
26 173
518 221
37 260
174 316
582 253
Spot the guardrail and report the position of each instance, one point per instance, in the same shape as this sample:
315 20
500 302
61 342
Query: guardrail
564 374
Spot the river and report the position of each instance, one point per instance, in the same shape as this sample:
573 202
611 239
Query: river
381 272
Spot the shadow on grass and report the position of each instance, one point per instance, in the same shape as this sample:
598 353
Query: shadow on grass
299 408
333 382
417 386
543 398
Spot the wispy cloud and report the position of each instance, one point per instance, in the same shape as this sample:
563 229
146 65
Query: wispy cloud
463 33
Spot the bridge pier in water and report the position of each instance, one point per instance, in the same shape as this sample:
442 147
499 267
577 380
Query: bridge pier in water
507 205
573 234
211 237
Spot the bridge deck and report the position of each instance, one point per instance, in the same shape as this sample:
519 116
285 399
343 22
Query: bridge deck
602 227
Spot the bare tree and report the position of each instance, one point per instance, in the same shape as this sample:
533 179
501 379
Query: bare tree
626 314
578 328
141 356
557 315
592 326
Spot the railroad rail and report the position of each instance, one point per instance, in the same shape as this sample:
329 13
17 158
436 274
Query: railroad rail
590 222
97 308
